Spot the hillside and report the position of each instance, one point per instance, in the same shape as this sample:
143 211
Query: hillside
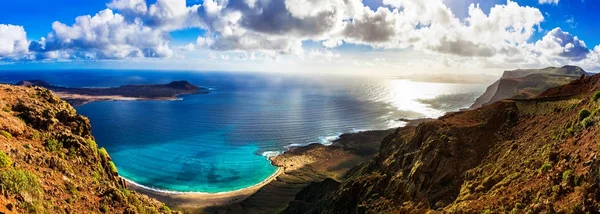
527 83
520 156
50 163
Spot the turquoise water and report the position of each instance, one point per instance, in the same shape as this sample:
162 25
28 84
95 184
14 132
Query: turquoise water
218 142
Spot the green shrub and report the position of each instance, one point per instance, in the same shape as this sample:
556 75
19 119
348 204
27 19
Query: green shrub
53 145
113 168
545 167
587 122
27 146
5 161
18 181
567 175
165 209
103 153
584 113
596 96
5 134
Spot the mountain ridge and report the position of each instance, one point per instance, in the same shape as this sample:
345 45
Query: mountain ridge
526 83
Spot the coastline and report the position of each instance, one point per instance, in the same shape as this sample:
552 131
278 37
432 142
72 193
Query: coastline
317 160
200 199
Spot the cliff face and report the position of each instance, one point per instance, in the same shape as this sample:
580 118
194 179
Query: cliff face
527 83
535 155
50 163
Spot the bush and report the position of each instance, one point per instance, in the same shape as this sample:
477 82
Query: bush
18 181
596 96
567 175
103 153
113 168
587 122
5 134
5 161
53 145
545 167
584 113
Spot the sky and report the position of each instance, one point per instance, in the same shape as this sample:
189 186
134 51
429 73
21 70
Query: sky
385 37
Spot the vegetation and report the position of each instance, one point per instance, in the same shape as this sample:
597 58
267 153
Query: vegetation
112 166
5 161
596 96
19 182
53 145
567 175
584 113
587 122
546 167
103 153
5 134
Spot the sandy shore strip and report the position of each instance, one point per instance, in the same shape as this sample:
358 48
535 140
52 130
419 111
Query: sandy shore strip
199 200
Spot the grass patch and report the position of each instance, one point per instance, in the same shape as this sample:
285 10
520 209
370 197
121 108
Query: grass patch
18 181
596 96
5 161
53 145
5 134
584 113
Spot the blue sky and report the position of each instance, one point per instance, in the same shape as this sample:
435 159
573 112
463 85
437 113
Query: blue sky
190 31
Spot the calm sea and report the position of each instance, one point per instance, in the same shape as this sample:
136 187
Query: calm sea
218 142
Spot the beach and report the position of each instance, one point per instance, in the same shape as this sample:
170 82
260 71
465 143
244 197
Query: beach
184 200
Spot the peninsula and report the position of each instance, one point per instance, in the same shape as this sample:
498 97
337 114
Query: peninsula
81 96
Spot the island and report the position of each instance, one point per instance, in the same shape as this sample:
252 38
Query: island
81 96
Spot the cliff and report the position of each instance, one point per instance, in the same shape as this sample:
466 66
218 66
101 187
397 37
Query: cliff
527 83
50 163
534 155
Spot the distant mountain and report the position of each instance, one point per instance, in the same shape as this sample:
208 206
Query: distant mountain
527 83
80 96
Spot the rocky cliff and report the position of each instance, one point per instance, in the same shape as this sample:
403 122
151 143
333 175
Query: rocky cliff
527 83
536 155
50 163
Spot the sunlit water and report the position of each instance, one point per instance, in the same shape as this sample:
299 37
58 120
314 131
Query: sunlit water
218 142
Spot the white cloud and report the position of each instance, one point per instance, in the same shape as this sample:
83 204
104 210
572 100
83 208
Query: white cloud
560 44
266 28
13 41
105 35
548 1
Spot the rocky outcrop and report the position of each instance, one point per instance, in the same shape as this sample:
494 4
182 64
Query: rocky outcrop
527 83
55 165
521 156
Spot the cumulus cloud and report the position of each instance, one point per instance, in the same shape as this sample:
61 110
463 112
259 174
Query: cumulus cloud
558 43
13 41
106 35
135 28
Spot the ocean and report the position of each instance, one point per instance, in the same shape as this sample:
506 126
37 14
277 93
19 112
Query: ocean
220 142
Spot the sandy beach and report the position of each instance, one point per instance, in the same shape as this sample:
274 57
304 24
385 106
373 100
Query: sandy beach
199 200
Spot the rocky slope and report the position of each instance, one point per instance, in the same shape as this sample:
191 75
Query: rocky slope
536 155
527 83
50 163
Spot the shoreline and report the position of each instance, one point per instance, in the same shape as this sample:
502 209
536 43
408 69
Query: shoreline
195 200
201 199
